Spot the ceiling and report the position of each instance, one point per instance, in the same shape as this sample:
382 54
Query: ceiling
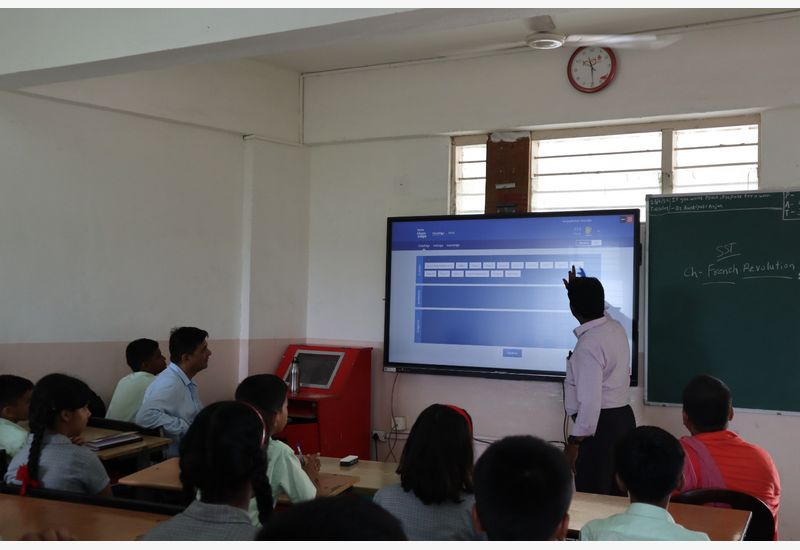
415 44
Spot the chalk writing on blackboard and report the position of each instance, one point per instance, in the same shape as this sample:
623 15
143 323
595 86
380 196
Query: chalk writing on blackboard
791 206
720 269
731 202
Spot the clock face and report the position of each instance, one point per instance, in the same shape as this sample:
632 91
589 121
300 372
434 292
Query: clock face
590 69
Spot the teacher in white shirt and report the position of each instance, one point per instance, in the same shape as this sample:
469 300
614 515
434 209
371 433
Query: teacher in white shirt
171 401
596 388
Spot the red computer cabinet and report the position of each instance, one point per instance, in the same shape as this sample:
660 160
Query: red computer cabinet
333 421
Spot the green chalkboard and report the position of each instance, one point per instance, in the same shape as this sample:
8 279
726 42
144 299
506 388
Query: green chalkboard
723 296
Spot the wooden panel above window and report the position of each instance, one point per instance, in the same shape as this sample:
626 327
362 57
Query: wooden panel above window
508 176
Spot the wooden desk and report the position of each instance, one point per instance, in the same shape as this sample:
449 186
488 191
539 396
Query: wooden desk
718 523
20 515
372 475
166 477
148 443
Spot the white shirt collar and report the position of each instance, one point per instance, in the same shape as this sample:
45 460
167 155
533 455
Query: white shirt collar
649 511
590 325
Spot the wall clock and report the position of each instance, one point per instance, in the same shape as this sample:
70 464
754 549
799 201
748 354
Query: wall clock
591 68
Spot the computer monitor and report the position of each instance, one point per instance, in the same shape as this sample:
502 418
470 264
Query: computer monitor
317 368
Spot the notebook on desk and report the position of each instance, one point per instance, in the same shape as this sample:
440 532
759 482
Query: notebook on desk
114 440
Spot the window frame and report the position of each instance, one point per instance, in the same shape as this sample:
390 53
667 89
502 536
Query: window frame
461 141
666 127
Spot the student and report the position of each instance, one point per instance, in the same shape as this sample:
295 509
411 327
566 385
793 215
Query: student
340 518
286 474
434 499
15 399
224 457
717 457
523 489
596 387
648 463
171 401
58 413
145 359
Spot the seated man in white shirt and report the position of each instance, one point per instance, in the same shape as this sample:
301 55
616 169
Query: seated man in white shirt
171 401
145 359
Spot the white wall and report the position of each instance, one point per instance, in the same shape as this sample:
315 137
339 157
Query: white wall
277 276
104 215
113 227
354 188
133 204
242 96
733 68
52 45
376 110
780 148
279 271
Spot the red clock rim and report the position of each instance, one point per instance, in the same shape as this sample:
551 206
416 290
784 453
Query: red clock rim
602 86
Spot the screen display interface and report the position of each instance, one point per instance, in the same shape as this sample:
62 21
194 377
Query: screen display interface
486 293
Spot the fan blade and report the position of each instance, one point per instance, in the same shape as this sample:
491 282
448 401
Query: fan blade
505 46
541 23
641 41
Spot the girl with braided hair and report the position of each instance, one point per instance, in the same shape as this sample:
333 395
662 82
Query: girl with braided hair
296 477
58 414
223 456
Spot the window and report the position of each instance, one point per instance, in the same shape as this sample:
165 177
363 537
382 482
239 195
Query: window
469 175
617 167
606 171
716 159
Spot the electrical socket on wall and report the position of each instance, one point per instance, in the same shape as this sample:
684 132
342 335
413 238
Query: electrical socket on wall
380 435
398 423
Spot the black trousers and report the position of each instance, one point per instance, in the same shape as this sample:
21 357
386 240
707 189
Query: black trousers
594 469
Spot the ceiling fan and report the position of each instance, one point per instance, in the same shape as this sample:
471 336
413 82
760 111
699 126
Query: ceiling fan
544 36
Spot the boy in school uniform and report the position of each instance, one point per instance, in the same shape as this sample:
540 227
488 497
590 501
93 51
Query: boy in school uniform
15 399
717 457
145 359
523 490
648 463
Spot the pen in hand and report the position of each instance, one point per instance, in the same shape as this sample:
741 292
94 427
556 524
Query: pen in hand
300 454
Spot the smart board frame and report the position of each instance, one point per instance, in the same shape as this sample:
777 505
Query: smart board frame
515 374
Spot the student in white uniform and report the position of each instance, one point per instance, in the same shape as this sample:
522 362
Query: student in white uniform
223 456
649 464
145 359
58 415
286 473
15 400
